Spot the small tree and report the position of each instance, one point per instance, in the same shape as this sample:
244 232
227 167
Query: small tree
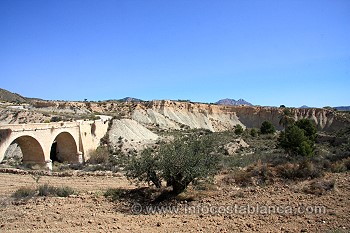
238 129
294 141
286 118
144 168
178 163
253 132
267 128
309 128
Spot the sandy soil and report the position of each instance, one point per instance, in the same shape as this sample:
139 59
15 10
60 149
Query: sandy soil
90 211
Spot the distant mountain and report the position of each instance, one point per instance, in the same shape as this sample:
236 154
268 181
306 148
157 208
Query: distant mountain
130 99
343 108
233 102
304 106
8 96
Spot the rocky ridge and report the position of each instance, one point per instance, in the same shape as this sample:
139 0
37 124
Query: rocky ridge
167 114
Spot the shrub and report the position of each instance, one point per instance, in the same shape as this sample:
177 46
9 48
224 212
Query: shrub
267 128
24 192
320 187
263 172
48 190
64 191
294 141
253 132
347 163
309 128
114 194
178 163
238 129
305 169
56 119
100 155
241 178
338 167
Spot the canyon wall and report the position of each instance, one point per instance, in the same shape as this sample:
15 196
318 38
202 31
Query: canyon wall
166 114
174 114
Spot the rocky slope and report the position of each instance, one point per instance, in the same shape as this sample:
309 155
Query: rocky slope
166 114
128 134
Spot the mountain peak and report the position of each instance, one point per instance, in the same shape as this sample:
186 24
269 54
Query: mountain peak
130 99
233 102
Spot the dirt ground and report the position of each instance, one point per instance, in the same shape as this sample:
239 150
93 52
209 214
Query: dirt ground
226 208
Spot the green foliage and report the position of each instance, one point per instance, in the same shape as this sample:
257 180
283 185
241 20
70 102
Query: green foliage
187 159
309 128
178 163
298 139
253 132
267 128
144 168
238 129
294 141
56 119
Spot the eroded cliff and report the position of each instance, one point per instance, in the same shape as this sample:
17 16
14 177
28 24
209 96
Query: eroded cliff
173 114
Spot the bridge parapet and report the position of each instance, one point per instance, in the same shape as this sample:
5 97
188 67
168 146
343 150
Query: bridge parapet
39 126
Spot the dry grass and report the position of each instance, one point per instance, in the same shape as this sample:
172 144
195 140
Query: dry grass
319 187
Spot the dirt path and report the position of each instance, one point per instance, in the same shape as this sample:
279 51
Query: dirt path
90 211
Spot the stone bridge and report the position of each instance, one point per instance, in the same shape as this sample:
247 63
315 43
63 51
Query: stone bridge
43 143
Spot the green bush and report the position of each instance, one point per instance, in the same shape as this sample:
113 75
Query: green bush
178 163
144 168
294 141
253 132
267 128
309 128
238 129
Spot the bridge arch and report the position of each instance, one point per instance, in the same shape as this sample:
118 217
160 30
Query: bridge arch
64 148
31 148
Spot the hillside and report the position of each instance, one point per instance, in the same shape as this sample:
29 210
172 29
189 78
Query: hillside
8 96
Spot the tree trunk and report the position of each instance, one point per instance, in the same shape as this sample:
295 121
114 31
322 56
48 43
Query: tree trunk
155 179
178 187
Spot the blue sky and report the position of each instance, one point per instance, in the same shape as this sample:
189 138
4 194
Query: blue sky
276 52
